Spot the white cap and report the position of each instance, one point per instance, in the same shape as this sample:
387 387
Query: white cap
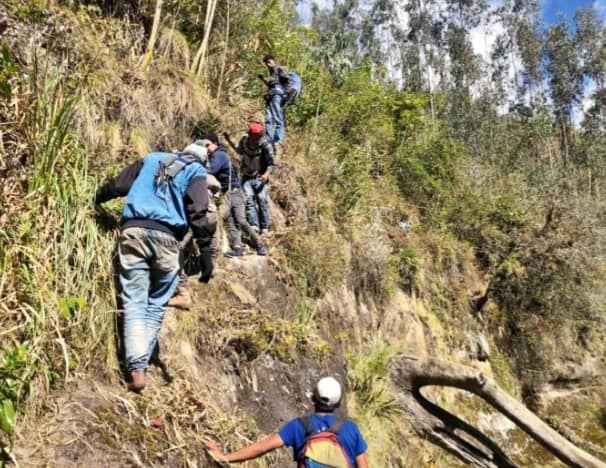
198 151
328 391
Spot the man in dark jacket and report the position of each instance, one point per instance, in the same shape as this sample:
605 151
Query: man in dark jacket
257 165
233 208
165 195
277 82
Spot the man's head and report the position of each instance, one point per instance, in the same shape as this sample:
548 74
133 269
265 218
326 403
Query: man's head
270 61
209 141
197 150
327 395
255 132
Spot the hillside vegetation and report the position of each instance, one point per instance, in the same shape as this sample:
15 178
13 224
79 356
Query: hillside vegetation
426 221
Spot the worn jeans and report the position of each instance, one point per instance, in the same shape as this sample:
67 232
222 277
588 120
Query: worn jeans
149 274
237 220
274 119
257 193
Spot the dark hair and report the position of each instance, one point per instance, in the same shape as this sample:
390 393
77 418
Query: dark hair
321 407
268 57
210 137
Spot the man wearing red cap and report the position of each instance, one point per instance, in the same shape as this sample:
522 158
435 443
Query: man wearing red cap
257 164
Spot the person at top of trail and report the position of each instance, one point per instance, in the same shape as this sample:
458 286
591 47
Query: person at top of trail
318 439
257 165
166 194
233 208
277 83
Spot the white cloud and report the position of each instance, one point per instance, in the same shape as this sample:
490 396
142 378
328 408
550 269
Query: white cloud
600 6
304 8
483 38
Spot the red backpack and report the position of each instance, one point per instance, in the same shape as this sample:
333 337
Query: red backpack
322 449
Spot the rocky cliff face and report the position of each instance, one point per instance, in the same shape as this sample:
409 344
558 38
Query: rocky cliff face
242 362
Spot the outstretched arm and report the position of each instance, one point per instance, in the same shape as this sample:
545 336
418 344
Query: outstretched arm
231 143
247 453
119 185
362 460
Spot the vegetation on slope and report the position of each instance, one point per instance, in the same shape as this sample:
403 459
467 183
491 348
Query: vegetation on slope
500 209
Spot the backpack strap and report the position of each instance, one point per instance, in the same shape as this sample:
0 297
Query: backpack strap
336 426
306 422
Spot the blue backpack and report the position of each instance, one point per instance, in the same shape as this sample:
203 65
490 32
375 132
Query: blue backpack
293 91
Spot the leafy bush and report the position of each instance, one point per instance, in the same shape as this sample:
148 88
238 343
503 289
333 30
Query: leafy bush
406 265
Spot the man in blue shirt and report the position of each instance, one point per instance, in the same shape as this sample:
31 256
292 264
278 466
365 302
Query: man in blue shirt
326 398
166 194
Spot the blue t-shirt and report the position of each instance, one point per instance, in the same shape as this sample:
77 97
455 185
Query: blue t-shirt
293 435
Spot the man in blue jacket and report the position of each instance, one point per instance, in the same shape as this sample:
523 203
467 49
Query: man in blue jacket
165 195
234 206
295 434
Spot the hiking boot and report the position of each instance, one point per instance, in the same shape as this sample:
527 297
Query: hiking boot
235 252
261 249
137 382
182 300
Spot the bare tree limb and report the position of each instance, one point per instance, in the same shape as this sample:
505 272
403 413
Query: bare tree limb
199 62
449 432
151 45
224 60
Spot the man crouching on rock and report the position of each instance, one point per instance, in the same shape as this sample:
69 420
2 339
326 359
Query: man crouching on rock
165 195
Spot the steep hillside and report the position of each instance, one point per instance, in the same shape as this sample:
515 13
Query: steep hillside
392 234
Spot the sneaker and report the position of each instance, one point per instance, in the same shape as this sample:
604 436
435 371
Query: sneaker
181 300
261 249
236 252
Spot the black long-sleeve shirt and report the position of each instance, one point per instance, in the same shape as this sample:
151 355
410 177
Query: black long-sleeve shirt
256 160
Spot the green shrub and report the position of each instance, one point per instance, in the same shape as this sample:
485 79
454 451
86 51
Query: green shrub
406 265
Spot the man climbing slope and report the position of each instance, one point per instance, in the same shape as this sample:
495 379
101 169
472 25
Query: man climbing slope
165 194
257 165
277 82
319 439
233 208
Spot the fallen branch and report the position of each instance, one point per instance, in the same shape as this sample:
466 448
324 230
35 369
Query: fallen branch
456 436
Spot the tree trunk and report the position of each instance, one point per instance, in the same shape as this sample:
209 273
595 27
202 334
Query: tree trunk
458 437
224 61
149 54
200 59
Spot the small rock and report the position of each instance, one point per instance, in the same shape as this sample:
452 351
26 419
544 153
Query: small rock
243 295
478 346
405 226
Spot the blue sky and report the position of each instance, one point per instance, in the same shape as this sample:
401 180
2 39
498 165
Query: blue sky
552 7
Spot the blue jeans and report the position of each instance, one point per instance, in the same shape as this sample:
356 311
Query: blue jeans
256 193
274 116
149 274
